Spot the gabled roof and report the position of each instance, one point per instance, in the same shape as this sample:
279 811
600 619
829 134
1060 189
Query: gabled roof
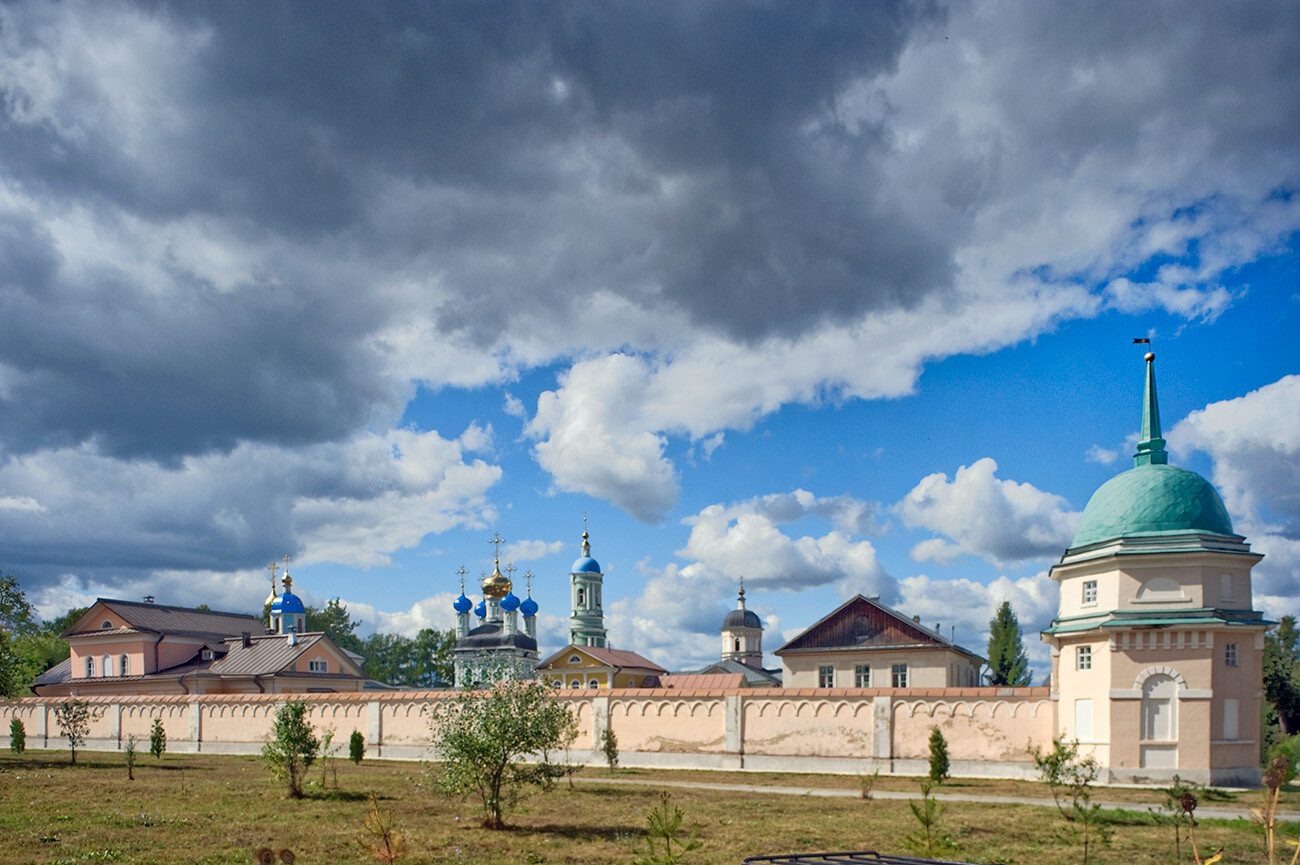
164 619
862 623
609 657
750 675
700 681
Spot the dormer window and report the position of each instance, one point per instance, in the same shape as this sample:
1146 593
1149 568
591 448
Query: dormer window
206 654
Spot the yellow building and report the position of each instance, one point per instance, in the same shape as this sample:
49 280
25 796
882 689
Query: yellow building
575 667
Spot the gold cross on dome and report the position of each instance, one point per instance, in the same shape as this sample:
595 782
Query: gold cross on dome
274 567
462 572
510 569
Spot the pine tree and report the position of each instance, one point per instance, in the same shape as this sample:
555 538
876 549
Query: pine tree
938 756
1008 661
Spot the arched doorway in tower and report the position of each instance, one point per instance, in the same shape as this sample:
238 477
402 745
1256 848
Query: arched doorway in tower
1160 722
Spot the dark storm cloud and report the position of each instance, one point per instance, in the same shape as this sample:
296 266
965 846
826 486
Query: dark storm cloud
536 143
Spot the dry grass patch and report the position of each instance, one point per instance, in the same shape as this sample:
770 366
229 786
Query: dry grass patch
217 809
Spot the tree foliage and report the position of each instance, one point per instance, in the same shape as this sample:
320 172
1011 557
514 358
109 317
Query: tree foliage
356 747
157 739
422 662
483 738
17 736
73 718
664 842
1008 661
938 756
28 647
293 746
1282 675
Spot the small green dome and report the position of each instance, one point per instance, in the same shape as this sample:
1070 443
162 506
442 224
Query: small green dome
1153 499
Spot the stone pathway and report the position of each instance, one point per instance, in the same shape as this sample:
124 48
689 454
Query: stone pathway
1216 812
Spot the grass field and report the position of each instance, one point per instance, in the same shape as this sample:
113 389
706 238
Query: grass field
216 809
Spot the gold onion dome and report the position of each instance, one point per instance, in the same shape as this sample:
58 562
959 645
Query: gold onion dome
497 584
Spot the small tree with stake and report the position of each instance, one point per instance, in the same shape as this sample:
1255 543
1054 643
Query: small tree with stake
293 747
73 718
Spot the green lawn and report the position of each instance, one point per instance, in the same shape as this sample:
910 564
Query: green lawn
214 809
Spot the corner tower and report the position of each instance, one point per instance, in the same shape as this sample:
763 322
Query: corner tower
587 619
1157 651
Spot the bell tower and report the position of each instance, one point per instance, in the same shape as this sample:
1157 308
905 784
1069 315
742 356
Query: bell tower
587 617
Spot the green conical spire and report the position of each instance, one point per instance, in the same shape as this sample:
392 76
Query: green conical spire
1151 449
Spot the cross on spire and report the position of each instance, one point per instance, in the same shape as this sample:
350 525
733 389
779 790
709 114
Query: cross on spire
496 543
462 572
274 567
528 581
510 569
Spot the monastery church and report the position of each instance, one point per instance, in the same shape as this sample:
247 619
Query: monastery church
1156 649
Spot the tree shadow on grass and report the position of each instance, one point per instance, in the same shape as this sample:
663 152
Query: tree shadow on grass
578 833
340 796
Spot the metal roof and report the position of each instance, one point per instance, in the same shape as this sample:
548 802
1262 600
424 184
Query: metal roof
164 619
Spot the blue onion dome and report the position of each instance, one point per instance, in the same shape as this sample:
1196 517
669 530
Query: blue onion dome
287 603
481 610
528 607
462 604
510 602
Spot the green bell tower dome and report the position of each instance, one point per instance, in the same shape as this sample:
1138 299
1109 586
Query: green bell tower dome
1153 498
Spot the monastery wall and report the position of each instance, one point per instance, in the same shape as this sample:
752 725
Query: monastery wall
843 730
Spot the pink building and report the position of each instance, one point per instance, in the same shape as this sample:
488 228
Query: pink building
127 647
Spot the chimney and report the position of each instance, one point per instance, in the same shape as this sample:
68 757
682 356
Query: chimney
245 638
293 637
148 599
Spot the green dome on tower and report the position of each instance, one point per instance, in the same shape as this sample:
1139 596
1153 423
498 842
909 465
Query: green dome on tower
1153 497
1152 500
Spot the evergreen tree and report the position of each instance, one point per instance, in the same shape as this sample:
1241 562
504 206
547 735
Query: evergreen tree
938 756
157 738
1008 661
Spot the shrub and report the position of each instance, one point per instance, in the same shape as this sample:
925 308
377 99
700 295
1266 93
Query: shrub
484 736
293 746
357 747
17 736
73 718
157 738
868 782
609 747
938 756
927 811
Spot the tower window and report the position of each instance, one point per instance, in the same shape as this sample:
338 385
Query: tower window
862 676
1230 654
124 666
1090 591
1083 658
90 667
736 646
582 597
899 675
826 676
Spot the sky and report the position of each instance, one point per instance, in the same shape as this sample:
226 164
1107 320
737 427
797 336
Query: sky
837 298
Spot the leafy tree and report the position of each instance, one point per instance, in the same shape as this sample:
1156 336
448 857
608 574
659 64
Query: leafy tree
357 747
31 648
17 736
157 738
293 746
73 718
1282 675
1008 661
16 618
484 736
422 662
938 756
337 623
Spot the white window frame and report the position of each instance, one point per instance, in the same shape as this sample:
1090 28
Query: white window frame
106 625
90 666
575 659
593 683
1089 593
898 675
124 665
318 665
826 676
1083 658
1230 654
862 676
